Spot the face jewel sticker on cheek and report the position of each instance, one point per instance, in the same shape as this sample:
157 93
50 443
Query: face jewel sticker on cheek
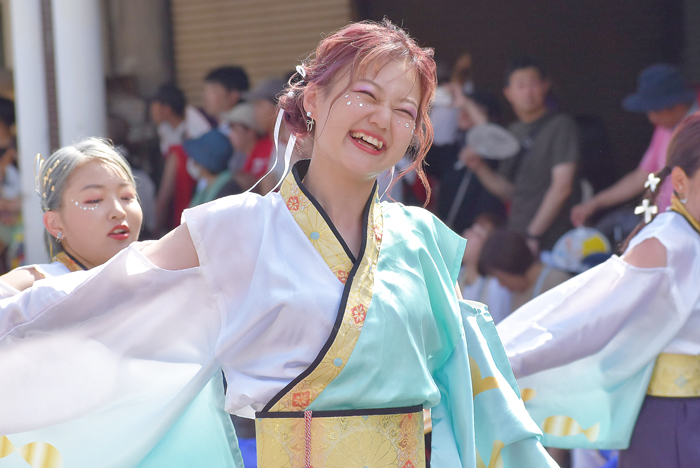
408 125
85 208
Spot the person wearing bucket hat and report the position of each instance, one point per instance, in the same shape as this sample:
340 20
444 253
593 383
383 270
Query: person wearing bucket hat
250 142
659 87
208 164
666 100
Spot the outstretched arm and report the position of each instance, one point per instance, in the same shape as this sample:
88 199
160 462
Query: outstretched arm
624 189
495 183
18 279
174 251
582 316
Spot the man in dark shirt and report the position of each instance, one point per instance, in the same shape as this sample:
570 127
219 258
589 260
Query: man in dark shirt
540 183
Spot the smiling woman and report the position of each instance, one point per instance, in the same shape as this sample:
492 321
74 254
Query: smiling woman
334 316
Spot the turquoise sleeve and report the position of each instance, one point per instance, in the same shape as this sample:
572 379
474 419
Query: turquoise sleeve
451 247
476 382
453 429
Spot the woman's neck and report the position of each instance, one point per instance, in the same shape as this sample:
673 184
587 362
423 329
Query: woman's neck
342 198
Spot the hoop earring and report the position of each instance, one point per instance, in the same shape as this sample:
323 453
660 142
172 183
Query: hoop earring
59 236
309 122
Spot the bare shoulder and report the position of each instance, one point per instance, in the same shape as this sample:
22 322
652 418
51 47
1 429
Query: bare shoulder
21 278
174 251
650 253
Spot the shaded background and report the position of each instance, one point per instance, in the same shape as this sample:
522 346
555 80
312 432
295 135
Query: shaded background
593 50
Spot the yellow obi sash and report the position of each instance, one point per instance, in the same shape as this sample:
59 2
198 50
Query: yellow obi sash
341 439
675 376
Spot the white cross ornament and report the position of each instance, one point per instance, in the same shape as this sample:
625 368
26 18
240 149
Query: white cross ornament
648 210
652 182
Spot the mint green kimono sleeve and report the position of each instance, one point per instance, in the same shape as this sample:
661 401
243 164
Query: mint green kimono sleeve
504 433
453 417
480 420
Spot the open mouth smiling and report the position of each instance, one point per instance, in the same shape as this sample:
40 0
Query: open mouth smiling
367 140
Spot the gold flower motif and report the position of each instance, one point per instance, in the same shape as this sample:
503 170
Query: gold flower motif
271 454
363 449
332 364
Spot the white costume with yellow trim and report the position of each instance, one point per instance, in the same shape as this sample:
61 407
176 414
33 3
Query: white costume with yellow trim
584 352
293 333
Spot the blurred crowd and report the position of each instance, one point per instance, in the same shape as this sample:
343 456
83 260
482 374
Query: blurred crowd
529 196
516 192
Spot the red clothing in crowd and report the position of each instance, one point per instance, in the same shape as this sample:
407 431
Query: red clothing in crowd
184 185
259 158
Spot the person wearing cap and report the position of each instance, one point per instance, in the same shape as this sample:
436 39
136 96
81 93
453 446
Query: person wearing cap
247 139
665 99
207 163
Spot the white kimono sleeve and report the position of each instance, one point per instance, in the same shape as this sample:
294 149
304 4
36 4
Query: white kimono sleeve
111 356
584 351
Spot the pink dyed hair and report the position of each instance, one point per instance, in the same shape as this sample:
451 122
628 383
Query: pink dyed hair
357 46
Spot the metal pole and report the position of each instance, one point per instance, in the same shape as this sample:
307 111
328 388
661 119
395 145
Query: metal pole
459 198
32 115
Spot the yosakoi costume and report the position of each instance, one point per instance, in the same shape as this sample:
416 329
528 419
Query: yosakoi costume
334 355
592 352
203 434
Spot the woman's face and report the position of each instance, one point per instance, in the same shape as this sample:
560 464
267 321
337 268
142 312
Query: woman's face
369 127
99 215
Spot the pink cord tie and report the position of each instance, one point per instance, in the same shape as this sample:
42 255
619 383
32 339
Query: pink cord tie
307 439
